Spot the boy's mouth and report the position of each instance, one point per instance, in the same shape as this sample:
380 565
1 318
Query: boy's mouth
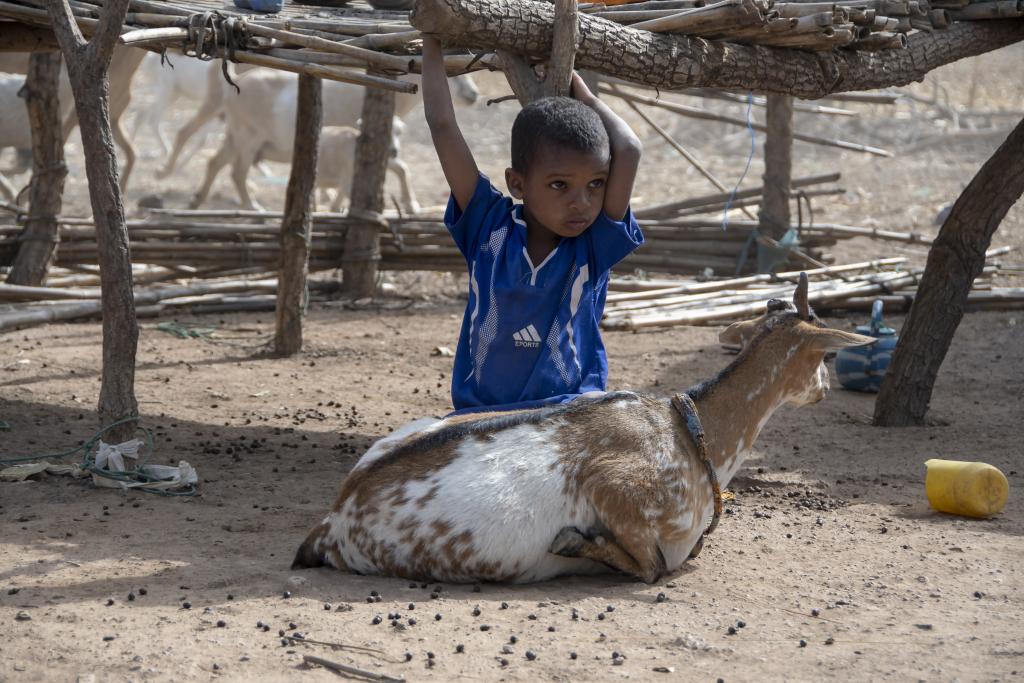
576 223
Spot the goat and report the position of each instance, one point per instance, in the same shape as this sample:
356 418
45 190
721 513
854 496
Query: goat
612 481
260 124
14 125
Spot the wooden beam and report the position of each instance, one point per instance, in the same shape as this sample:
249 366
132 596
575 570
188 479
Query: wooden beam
673 62
18 37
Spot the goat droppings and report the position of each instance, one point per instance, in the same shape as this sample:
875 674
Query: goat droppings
661 597
531 655
460 648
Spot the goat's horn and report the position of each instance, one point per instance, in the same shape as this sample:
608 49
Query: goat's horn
800 298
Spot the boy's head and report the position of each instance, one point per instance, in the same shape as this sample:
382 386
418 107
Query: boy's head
560 162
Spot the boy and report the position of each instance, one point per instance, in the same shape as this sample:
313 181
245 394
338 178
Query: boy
538 270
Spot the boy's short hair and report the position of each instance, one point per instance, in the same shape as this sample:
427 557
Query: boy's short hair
556 120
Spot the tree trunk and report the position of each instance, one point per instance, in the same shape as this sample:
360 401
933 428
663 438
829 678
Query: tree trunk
373 151
957 256
773 220
673 62
296 226
39 240
87 65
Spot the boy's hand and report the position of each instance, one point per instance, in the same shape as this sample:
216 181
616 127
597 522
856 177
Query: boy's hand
452 151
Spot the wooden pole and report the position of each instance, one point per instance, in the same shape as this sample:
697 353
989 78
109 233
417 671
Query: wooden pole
39 240
296 227
773 219
558 78
956 258
87 64
373 150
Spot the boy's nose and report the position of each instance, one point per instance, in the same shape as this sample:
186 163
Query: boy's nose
579 200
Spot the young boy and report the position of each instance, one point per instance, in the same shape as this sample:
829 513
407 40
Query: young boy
538 270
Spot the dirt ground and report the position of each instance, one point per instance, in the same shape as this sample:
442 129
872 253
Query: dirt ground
828 564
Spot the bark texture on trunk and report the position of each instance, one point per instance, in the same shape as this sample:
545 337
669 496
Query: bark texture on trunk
957 256
673 62
39 240
373 151
87 64
778 167
296 225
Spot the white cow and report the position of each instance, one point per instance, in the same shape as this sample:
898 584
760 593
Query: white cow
261 126
14 126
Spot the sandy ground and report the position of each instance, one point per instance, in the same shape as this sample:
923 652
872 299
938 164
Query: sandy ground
828 563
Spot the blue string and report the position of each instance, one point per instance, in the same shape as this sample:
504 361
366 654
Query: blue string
753 148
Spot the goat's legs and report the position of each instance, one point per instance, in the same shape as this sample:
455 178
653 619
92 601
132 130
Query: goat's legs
639 557
571 543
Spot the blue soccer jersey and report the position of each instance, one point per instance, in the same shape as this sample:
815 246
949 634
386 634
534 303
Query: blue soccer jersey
530 334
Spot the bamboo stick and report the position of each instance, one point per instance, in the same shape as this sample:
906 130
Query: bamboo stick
327 72
619 289
709 18
698 113
736 311
369 57
675 206
694 161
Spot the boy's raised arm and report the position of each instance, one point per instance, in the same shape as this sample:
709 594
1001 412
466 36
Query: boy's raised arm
625 147
452 151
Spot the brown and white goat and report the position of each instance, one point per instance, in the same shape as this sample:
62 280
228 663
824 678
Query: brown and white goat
613 481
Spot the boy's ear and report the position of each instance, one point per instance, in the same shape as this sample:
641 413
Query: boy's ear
514 180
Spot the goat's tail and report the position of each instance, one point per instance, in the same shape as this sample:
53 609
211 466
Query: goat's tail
314 550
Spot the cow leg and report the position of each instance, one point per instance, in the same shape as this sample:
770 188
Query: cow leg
6 189
643 560
240 176
216 163
121 138
398 167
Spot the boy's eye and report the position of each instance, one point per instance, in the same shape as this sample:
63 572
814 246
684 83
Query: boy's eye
557 185
595 184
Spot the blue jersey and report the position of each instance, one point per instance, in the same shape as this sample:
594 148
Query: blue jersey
530 334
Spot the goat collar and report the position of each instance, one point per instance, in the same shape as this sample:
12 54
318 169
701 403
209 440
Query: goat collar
688 410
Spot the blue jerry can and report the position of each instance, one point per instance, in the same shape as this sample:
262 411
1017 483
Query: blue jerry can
261 5
862 368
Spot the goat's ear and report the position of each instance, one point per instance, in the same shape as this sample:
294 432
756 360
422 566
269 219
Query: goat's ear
800 298
827 339
738 334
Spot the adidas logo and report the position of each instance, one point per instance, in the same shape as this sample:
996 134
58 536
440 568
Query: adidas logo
527 337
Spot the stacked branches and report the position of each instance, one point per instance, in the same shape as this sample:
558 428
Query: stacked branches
669 44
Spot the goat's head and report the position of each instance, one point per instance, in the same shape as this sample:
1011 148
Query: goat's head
796 338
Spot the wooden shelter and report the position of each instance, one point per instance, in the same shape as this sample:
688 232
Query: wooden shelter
787 49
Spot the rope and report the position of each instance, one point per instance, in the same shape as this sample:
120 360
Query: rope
687 409
203 39
750 158
105 452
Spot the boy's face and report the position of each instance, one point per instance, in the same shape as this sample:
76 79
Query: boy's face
563 190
